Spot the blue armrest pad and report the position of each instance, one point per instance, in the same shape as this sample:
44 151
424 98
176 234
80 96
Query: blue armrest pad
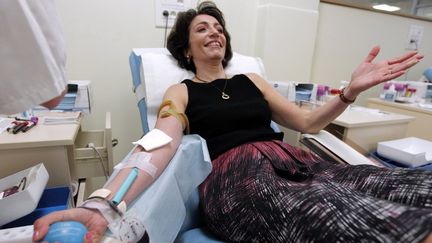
198 235
161 207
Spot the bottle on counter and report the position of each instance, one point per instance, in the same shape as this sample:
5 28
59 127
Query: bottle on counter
385 88
321 93
400 90
410 92
390 93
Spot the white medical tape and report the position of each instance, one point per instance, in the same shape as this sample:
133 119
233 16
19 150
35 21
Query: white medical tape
102 192
140 160
120 226
107 212
153 140
113 214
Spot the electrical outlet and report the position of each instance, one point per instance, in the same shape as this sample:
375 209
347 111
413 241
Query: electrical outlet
414 37
90 145
173 7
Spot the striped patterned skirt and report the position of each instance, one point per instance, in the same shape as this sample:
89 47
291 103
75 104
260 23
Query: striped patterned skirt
273 192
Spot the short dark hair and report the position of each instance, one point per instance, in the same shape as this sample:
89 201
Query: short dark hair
178 39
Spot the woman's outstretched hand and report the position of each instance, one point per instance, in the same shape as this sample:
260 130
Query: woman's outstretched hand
369 73
92 219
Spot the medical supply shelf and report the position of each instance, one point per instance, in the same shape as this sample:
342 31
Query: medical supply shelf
420 127
52 145
61 148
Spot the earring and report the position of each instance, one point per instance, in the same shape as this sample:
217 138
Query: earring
188 59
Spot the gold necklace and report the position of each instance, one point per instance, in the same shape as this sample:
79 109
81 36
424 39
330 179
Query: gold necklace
224 96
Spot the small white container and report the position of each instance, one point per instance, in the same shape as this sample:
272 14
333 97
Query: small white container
390 94
411 151
23 202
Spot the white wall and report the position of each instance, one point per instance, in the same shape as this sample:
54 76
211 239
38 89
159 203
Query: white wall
101 33
345 36
285 40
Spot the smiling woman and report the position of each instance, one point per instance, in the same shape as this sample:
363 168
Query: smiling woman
261 189
180 33
418 9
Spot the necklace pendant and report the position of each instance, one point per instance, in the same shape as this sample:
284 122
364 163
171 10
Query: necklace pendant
225 96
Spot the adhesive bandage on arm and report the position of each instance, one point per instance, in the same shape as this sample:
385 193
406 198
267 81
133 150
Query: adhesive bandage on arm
153 140
172 111
140 160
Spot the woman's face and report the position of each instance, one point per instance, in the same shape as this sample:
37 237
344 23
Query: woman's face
206 39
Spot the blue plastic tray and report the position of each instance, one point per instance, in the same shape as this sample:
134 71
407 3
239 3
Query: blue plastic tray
392 164
53 199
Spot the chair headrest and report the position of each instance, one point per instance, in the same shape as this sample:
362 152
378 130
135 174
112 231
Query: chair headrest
428 74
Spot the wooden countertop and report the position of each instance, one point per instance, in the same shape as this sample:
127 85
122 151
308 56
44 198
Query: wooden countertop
408 106
357 116
41 135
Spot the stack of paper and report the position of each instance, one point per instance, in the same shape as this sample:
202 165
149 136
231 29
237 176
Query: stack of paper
68 102
55 118
4 123
83 99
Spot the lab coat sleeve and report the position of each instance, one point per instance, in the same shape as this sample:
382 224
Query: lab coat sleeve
32 54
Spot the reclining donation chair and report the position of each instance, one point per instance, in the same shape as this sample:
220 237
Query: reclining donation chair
169 208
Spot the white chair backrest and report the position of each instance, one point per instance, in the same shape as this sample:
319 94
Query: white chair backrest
159 70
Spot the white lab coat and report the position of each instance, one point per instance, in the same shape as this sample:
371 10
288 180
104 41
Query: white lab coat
32 54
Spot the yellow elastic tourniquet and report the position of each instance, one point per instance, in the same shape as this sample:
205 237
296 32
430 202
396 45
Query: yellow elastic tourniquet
172 111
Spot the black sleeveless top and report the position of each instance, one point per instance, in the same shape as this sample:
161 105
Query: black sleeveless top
244 117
